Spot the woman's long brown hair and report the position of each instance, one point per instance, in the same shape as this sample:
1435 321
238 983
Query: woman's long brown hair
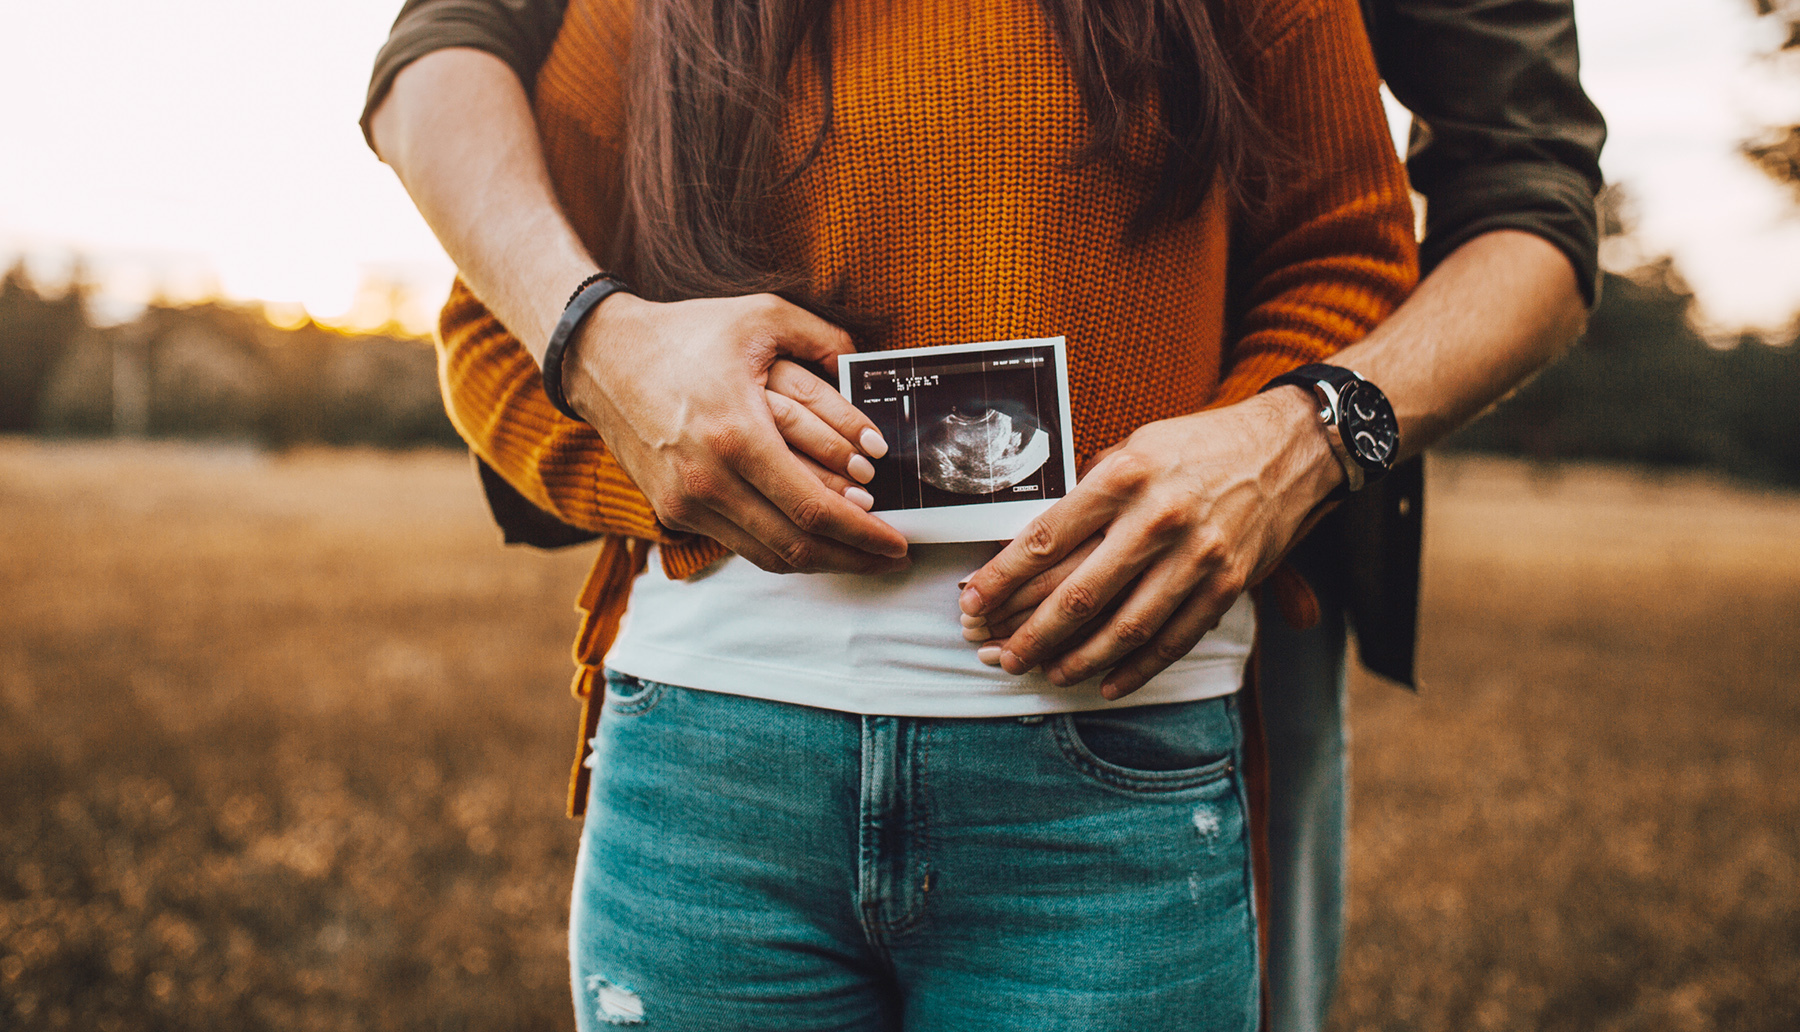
707 87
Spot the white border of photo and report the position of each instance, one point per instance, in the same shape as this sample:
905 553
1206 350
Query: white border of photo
990 521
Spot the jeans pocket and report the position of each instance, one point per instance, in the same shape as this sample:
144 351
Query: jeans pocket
630 696
1162 748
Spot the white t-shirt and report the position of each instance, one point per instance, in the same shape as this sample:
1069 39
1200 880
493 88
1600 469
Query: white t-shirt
889 645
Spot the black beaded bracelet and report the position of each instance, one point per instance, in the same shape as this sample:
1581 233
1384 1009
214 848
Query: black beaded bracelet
587 297
588 282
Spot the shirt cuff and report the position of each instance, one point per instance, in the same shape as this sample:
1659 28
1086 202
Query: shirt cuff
1544 199
421 29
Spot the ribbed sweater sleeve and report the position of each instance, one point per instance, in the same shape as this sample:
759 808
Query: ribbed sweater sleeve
1330 252
495 398
494 394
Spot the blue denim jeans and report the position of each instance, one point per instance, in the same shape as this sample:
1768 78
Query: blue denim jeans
749 864
1301 680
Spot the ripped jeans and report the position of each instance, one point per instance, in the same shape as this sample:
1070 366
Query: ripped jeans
753 865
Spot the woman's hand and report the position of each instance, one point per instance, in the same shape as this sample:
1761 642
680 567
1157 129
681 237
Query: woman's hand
697 403
1154 545
820 426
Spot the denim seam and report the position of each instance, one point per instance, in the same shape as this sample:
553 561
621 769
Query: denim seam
1137 782
1248 869
868 859
918 830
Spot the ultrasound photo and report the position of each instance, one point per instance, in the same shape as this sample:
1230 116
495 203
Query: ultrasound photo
969 425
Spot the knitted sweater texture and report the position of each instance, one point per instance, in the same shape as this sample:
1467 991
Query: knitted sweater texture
946 204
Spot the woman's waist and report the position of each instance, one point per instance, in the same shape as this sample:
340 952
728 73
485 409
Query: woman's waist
888 644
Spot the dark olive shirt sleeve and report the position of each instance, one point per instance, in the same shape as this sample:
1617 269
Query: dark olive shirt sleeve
1503 135
519 32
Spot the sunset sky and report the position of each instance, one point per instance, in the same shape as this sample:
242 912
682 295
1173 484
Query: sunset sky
196 147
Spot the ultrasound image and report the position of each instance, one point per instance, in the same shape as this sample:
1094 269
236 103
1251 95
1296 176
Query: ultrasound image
968 428
970 453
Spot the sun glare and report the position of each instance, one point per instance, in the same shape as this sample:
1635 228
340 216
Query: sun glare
195 149
285 316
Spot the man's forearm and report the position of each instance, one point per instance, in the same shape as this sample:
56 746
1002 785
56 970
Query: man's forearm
1497 310
458 130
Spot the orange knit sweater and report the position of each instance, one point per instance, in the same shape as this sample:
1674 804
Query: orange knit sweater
945 203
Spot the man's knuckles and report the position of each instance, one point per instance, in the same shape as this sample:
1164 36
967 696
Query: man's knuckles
728 440
1076 601
1207 547
677 512
810 513
800 553
1039 542
1130 633
1170 517
694 484
1122 474
801 385
1167 649
761 312
1229 583
1025 648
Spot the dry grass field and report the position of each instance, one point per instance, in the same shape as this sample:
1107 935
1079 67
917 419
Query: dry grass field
283 744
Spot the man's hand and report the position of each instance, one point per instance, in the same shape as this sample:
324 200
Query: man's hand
694 399
1154 545
690 396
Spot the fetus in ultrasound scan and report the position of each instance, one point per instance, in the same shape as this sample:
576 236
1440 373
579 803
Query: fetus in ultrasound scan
977 449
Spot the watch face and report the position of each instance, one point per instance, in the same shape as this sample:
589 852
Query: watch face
1367 424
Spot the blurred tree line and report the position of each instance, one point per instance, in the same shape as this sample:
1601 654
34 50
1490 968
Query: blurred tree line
1643 386
208 371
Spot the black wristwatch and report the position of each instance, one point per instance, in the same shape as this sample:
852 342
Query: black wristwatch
1357 419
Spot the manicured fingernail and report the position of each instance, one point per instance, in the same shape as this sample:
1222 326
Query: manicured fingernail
860 498
872 443
977 633
861 469
970 602
989 654
962 585
1011 663
972 621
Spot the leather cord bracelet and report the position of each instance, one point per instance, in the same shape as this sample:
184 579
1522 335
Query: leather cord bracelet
586 298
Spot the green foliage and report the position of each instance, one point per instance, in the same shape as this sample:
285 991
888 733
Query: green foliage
1644 386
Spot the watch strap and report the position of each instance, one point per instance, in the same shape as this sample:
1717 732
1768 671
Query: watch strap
1308 377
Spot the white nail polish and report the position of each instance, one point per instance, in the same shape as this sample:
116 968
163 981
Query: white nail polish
972 621
872 443
861 469
989 654
976 634
860 498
